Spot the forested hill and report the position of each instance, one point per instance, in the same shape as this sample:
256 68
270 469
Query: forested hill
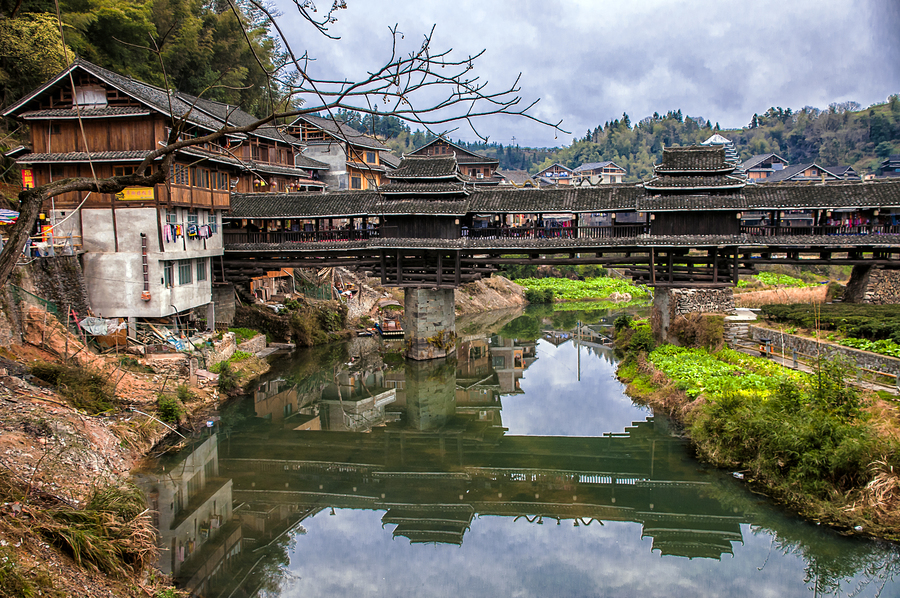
842 134
200 43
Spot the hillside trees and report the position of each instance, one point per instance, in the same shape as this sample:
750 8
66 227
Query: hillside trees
842 134
415 81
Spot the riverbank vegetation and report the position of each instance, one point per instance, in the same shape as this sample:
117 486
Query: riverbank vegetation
564 289
813 441
874 328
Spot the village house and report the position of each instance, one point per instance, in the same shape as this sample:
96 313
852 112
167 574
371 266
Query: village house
477 169
890 166
762 166
355 160
799 173
598 173
556 174
146 252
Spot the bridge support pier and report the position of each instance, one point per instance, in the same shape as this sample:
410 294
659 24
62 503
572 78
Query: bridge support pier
429 323
869 284
671 303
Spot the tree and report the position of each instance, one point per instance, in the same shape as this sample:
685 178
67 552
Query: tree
428 86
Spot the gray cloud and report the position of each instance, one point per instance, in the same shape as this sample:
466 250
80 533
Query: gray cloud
589 62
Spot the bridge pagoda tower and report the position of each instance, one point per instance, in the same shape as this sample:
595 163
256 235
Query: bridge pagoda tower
695 193
426 199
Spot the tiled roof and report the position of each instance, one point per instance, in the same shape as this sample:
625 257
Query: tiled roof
234 116
65 113
694 158
832 195
425 188
275 169
595 165
682 203
427 167
127 156
301 205
155 97
463 156
563 166
565 198
367 167
752 161
693 182
434 207
792 171
301 161
389 159
516 177
342 132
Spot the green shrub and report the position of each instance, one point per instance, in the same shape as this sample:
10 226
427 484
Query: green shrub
168 408
539 295
228 378
240 356
699 330
185 394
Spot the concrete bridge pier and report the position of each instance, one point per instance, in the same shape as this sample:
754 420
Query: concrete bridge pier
672 303
429 323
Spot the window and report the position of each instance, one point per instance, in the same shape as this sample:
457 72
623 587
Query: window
54 129
123 170
57 172
213 222
171 217
200 178
180 175
201 269
167 274
192 218
356 182
90 96
184 271
370 157
220 180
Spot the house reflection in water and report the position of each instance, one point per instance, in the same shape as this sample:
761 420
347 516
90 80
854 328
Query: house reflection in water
192 509
424 443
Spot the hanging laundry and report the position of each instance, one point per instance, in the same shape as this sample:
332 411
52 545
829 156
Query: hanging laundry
192 231
178 231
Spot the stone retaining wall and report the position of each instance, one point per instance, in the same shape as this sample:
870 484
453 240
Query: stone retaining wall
669 303
221 350
253 345
873 285
429 323
808 346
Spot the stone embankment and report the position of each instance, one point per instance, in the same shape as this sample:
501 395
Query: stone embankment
810 347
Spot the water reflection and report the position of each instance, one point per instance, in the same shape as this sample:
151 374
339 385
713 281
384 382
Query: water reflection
349 432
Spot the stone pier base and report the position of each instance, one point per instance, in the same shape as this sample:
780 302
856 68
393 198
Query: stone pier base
670 303
873 285
429 323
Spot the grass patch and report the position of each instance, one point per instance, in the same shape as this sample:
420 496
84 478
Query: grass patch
243 334
113 533
574 290
84 388
870 322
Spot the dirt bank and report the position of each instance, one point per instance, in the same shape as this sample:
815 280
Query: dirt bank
53 456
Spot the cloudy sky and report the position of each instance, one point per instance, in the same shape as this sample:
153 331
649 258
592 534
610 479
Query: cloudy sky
588 61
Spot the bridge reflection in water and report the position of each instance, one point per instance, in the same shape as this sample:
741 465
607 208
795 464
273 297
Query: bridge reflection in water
423 442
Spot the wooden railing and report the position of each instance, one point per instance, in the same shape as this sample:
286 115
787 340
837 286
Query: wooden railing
793 231
616 231
232 237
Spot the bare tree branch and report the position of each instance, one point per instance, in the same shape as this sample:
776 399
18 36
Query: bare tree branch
426 87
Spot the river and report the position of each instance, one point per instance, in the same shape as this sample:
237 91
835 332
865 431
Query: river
519 467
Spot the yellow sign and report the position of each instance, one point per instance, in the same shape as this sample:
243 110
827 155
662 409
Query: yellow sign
27 178
135 194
